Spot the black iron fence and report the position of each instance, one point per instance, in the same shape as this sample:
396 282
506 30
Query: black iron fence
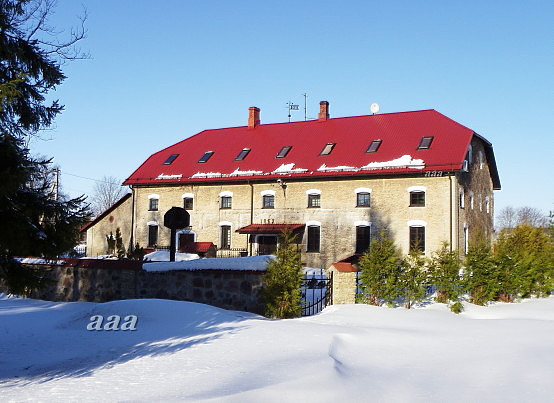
317 293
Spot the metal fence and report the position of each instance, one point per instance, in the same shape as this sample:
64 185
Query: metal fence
317 293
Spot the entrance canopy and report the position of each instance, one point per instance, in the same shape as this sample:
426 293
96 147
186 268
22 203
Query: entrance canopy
269 228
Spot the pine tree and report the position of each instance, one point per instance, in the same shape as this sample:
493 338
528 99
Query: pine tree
444 272
283 279
380 271
413 278
34 221
481 274
110 240
119 248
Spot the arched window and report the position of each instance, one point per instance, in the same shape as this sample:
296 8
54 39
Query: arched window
314 235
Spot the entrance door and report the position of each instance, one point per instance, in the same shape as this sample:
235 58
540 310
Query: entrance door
267 244
185 240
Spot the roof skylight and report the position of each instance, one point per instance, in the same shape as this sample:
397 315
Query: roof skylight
327 149
206 156
242 155
284 151
170 159
425 142
374 146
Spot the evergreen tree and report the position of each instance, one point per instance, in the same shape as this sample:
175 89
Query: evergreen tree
413 278
283 279
444 272
137 253
526 260
119 248
380 269
481 274
34 221
110 240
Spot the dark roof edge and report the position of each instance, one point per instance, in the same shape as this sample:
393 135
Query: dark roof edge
493 169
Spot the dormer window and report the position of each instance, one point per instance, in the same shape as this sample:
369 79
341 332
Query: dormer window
206 156
284 151
374 146
242 155
327 149
425 143
170 159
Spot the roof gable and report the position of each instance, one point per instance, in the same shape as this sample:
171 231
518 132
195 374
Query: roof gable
400 135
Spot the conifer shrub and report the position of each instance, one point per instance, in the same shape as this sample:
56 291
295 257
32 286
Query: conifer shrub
481 274
119 248
457 307
281 293
413 278
444 274
380 270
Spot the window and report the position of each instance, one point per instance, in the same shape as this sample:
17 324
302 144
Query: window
363 199
466 239
170 159
314 200
425 143
487 204
417 199
268 201
225 237
313 238
374 146
153 204
152 235
363 233
327 149
417 238
226 202
206 157
284 151
188 203
471 200
462 199
481 159
242 155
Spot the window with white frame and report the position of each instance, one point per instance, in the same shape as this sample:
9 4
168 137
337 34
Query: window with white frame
417 235
226 200
417 196
188 201
268 199
363 197
153 202
313 236
225 235
363 236
314 198
462 198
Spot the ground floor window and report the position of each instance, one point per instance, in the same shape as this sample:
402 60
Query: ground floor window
417 238
363 233
152 236
225 237
313 238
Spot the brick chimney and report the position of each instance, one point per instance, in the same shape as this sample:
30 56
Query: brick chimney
323 110
253 116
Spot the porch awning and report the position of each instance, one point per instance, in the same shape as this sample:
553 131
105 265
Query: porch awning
269 228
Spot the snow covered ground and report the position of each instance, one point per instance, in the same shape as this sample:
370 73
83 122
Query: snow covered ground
183 351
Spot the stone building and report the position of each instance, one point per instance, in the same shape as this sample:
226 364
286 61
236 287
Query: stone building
334 182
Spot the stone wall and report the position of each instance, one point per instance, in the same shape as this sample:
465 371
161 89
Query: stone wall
108 280
344 283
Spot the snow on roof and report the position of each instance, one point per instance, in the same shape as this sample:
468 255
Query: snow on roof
163 256
250 263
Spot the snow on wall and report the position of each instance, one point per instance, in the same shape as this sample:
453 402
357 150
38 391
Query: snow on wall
250 263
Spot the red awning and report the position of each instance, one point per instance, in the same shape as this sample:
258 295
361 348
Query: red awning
269 228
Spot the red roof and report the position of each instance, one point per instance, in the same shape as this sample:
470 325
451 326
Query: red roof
398 153
269 228
198 247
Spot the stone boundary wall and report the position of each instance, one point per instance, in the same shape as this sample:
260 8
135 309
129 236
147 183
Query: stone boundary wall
108 280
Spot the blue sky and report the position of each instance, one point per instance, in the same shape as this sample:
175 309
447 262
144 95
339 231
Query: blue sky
163 71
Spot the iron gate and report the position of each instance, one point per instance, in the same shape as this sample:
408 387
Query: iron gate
317 293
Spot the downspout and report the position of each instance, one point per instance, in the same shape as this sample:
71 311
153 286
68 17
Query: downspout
450 179
251 217
132 238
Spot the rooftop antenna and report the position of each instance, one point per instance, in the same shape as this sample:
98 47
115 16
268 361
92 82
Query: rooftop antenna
374 108
305 105
291 107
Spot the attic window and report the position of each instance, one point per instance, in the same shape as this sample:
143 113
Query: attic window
327 149
425 143
242 155
206 156
284 151
170 159
374 146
